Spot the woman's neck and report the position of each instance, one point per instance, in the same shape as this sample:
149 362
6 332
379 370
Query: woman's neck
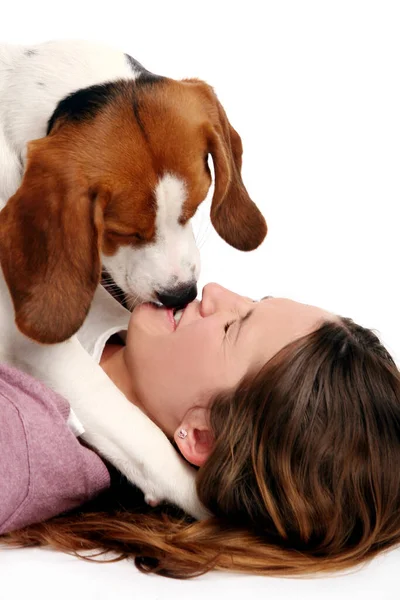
114 365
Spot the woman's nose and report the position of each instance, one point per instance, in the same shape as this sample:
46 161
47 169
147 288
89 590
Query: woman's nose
211 298
215 297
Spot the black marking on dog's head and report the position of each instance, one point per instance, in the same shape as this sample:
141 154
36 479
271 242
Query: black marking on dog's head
144 76
84 104
40 84
148 78
30 52
135 65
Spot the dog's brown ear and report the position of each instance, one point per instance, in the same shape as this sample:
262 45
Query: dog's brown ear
233 214
49 247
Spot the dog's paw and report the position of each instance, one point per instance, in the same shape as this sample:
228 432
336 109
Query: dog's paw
175 484
151 501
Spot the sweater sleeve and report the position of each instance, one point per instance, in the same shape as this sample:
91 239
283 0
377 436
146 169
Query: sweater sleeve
44 470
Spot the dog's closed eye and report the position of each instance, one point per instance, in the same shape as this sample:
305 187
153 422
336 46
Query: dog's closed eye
131 235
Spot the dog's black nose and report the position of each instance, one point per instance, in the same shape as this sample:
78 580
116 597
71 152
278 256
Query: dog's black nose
178 297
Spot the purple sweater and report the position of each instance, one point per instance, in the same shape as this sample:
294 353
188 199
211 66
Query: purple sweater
44 470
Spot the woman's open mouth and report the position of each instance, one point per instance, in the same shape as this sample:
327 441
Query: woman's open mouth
174 314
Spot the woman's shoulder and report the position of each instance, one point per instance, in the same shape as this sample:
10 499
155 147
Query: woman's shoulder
44 470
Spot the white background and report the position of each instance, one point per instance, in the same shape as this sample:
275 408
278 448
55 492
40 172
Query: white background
313 89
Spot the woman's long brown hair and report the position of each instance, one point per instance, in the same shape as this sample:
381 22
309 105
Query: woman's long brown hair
304 477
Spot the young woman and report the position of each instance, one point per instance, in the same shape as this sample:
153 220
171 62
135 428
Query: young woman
292 415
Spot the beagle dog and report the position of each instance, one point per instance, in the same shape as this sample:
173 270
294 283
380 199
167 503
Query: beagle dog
102 165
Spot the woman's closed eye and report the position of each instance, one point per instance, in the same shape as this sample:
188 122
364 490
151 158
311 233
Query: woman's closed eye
240 321
227 325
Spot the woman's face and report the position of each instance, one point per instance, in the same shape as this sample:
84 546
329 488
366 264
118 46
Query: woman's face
216 342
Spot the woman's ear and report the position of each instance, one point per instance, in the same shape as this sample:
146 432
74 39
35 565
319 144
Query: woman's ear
50 234
194 438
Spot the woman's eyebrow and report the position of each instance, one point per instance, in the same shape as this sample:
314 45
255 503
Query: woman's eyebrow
243 320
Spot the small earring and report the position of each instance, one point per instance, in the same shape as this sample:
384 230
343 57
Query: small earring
182 433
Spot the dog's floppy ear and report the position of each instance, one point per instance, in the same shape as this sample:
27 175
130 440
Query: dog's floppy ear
234 215
49 247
